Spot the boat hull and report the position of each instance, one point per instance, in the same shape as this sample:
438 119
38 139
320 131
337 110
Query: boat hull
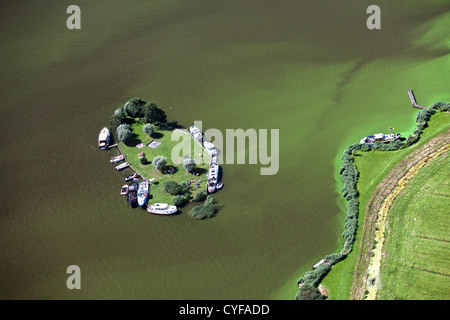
142 194
132 194
103 139
162 208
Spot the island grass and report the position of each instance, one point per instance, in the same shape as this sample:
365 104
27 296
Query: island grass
373 166
131 151
415 266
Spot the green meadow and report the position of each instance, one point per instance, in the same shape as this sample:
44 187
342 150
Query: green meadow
373 166
169 140
417 247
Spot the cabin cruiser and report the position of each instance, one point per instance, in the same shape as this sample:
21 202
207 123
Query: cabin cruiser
196 133
162 208
213 175
210 148
142 194
103 139
380 137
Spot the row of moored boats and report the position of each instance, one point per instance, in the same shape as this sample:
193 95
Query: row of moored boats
212 177
136 193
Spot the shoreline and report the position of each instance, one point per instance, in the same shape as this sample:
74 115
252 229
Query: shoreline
356 233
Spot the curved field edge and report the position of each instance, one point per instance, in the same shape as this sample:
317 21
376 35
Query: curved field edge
415 254
373 204
400 176
338 280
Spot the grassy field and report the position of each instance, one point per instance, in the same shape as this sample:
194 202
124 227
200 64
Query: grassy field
417 247
157 193
339 280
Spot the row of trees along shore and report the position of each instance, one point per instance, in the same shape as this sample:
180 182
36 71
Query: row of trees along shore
153 116
309 282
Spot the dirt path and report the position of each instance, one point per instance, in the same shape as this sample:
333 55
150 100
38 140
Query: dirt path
366 273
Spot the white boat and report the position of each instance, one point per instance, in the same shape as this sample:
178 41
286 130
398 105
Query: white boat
210 148
213 174
219 185
124 190
122 166
380 137
142 194
162 208
103 138
196 133
131 177
117 159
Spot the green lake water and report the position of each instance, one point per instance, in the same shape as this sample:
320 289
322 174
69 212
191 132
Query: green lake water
311 69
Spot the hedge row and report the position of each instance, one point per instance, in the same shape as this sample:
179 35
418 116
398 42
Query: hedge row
349 177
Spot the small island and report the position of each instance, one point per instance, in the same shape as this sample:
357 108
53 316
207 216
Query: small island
145 140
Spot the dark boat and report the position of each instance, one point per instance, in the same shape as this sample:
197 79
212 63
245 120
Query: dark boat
132 194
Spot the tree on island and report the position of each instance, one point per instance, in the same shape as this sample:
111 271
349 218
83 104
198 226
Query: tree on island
143 160
159 163
148 129
119 115
153 114
189 164
123 132
134 108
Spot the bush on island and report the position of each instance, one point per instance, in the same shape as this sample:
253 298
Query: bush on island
189 164
159 162
123 132
148 129
143 160
174 188
203 211
181 200
200 195
119 115
134 107
153 114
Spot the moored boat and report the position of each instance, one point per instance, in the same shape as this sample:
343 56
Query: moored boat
196 133
131 177
124 190
219 185
103 138
122 166
142 194
162 208
380 137
210 148
132 194
117 159
213 174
